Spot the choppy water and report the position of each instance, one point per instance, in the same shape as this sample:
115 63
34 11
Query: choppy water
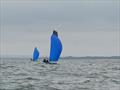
19 74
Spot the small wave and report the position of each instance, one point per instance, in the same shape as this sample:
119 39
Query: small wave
25 87
30 78
116 68
93 75
86 81
47 87
6 67
115 81
20 74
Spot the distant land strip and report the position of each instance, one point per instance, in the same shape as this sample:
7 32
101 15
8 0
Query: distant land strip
66 57
92 57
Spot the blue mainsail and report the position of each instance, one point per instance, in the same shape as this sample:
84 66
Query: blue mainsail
56 49
35 54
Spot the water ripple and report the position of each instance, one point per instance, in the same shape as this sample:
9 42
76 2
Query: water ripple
67 75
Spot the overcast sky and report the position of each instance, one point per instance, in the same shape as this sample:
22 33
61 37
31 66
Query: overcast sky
85 27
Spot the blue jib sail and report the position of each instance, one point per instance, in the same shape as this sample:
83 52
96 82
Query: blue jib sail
35 54
56 49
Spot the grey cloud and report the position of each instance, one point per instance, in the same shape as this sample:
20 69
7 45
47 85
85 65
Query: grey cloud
63 13
85 27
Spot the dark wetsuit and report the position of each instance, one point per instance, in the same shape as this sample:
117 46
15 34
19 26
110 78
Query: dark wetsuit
45 61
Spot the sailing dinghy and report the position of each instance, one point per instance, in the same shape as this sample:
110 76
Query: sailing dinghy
35 54
55 49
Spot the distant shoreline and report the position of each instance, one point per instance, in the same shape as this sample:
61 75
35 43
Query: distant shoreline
92 57
67 57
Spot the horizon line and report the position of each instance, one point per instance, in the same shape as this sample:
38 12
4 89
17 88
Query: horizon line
60 56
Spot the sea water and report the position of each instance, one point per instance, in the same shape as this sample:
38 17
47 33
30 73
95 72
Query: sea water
68 74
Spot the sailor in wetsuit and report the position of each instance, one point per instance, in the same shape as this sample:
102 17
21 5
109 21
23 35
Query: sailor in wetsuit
45 60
